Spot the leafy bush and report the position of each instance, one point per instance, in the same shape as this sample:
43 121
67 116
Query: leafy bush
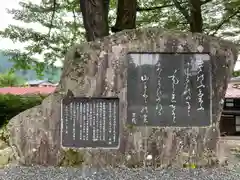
10 79
4 134
236 73
12 105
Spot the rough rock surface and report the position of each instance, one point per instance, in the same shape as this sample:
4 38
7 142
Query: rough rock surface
6 154
99 69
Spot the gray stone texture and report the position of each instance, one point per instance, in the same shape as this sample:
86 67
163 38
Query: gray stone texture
99 69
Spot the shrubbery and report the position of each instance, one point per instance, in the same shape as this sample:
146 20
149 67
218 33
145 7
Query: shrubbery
11 105
236 73
10 79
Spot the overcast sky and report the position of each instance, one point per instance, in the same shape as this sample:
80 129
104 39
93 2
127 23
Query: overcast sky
7 19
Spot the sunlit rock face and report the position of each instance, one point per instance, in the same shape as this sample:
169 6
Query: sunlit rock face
99 68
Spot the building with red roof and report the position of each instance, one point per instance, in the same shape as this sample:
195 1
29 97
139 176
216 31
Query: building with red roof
230 120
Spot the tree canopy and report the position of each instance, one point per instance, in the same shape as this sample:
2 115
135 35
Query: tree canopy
67 22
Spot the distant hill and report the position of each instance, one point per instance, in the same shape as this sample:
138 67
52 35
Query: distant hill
51 73
4 63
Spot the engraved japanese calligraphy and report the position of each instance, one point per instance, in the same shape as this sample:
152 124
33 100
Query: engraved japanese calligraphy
159 91
200 85
175 81
144 110
187 90
166 89
90 122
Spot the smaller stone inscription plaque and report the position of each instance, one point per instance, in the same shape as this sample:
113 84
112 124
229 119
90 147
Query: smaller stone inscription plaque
90 122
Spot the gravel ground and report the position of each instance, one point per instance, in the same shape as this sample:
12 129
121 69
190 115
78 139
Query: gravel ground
51 173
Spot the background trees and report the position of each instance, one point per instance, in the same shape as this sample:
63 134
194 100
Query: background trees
66 22
10 79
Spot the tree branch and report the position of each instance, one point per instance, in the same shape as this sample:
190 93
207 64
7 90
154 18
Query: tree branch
153 8
75 27
157 7
182 10
74 23
40 8
225 20
53 14
205 2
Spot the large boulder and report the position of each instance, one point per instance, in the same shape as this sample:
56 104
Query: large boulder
99 69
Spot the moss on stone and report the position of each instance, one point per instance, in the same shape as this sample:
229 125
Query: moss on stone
131 127
4 134
6 156
72 158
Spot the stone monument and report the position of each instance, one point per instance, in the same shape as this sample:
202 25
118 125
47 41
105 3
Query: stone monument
175 120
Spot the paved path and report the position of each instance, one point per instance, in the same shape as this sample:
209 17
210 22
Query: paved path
50 173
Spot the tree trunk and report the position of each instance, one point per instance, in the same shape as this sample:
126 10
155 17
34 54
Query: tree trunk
126 15
196 24
194 17
95 18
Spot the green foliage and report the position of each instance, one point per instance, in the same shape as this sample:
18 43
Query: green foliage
12 105
10 79
51 44
236 73
4 134
62 25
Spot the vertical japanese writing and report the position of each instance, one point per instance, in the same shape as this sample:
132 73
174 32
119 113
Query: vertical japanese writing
100 120
114 121
93 118
71 114
110 124
94 123
97 121
66 118
159 108
80 112
104 120
200 85
73 107
134 118
77 115
175 81
87 120
194 66
169 89
187 90
84 121
90 117
144 110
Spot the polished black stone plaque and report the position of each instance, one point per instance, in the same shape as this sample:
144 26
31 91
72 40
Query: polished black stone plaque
90 122
169 90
